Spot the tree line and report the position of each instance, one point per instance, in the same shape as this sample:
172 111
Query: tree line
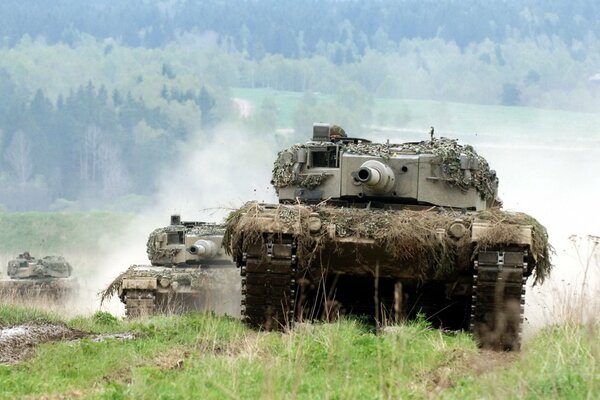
91 144
299 28
96 97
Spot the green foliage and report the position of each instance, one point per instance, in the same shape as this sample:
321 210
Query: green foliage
104 318
560 362
341 30
14 315
73 140
204 356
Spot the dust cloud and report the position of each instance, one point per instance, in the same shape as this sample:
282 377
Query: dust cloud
557 184
209 178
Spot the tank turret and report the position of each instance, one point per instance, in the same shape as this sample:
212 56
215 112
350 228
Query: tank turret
25 266
354 171
184 243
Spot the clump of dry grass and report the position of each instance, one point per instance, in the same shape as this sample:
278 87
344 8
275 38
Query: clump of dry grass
415 238
576 302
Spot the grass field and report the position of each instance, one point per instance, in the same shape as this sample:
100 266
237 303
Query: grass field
92 242
52 232
450 118
208 357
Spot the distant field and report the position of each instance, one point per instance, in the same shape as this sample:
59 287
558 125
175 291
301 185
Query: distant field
287 102
52 232
447 117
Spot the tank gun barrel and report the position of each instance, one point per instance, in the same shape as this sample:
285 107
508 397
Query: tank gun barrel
204 248
369 176
376 175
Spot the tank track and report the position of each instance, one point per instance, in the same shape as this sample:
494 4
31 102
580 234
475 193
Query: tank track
139 303
268 268
498 298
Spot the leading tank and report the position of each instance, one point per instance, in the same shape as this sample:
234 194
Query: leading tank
390 231
31 277
188 270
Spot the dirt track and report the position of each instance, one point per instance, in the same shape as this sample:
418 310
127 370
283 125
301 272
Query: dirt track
18 342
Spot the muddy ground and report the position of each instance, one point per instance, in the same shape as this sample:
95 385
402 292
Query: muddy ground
18 343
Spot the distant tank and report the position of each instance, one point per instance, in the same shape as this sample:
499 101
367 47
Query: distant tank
389 231
31 277
188 271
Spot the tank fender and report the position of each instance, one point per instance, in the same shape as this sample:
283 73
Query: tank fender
480 231
139 282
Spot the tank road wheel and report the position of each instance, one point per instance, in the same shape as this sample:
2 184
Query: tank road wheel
139 303
268 270
498 298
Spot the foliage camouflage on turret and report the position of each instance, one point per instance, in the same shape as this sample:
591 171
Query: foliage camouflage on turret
200 230
448 150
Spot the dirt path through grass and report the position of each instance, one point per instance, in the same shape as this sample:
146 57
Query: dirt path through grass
461 363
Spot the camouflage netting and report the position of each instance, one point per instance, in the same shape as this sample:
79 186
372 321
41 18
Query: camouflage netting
207 229
282 168
58 264
198 278
410 237
448 150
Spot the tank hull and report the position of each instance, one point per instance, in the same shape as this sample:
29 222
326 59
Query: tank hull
304 262
53 288
148 290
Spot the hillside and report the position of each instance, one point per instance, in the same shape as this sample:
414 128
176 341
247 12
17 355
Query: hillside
461 120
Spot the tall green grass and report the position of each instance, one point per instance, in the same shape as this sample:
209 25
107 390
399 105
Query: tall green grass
11 315
209 357
560 362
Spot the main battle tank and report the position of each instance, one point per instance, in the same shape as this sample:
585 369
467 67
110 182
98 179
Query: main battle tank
188 271
390 231
28 276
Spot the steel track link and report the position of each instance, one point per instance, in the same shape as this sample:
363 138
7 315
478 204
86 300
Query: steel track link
268 269
498 298
139 303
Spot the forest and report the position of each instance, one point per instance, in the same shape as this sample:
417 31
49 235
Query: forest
99 97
